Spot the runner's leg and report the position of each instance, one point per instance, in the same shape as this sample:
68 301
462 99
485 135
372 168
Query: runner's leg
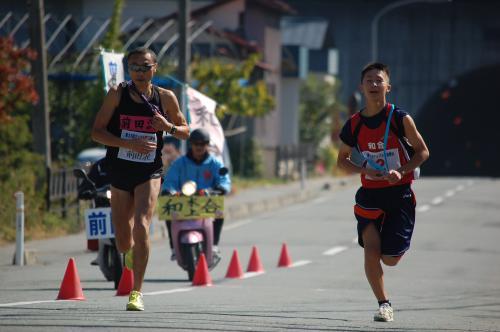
373 268
146 195
122 213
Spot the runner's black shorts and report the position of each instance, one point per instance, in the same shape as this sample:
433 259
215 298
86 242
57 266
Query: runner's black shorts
392 209
128 178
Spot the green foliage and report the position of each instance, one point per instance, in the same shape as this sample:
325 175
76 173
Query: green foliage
20 170
328 157
222 82
318 103
73 108
248 164
111 40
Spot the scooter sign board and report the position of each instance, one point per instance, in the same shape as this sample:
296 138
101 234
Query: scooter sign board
192 207
98 223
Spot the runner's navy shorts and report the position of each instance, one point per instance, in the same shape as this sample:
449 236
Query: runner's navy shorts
392 209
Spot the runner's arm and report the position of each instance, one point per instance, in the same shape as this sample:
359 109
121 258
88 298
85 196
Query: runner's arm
344 162
171 107
418 144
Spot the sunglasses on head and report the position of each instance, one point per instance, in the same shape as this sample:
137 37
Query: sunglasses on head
141 68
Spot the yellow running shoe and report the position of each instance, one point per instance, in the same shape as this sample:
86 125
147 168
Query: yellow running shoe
129 259
135 302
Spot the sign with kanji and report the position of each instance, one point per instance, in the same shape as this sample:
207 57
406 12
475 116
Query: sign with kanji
192 207
98 223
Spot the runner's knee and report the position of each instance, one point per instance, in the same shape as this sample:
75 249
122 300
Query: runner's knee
391 260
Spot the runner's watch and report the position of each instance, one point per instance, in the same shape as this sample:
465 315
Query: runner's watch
173 130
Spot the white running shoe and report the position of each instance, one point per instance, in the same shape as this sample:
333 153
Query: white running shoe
384 313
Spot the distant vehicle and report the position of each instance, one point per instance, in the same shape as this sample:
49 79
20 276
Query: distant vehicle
87 157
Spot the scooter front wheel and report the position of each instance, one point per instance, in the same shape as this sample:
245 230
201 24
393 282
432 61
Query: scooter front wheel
190 253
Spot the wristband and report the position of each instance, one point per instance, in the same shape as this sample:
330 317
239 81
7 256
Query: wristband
173 130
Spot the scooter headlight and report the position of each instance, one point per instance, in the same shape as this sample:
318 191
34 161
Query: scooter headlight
108 194
188 188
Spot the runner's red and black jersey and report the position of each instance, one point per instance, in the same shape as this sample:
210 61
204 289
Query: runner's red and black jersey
131 120
366 134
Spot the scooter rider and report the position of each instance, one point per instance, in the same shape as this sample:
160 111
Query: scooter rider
200 166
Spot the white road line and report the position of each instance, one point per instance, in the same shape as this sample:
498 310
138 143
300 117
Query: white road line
470 182
320 200
237 224
450 193
438 200
300 263
29 302
335 250
247 275
355 240
423 208
169 291
459 188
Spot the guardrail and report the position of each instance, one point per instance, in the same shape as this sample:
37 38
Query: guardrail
62 188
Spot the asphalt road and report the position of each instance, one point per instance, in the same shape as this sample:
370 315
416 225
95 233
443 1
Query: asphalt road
448 281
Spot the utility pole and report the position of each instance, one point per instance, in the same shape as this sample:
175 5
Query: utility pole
184 46
40 118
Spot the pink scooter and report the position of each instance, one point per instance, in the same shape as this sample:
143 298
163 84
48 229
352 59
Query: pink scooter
191 237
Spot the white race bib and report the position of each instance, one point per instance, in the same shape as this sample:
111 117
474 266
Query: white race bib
378 157
130 155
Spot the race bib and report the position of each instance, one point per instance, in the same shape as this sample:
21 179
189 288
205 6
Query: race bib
378 157
127 154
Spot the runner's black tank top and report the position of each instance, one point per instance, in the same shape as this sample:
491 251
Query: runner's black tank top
130 120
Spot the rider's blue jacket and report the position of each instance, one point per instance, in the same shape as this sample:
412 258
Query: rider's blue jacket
205 174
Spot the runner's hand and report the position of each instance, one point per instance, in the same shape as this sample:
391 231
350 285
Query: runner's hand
373 173
159 122
141 145
393 176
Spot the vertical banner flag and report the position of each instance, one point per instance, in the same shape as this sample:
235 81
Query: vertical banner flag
202 115
112 65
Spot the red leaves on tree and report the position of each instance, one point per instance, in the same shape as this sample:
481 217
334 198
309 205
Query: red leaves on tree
16 86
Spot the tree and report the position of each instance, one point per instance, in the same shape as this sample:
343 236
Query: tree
16 89
111 40
231 86
18 164
318 105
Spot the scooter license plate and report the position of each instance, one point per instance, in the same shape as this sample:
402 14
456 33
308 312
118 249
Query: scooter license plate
192 207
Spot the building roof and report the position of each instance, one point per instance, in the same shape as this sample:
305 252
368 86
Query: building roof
304 31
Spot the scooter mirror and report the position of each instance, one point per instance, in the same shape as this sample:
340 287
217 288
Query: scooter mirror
188 188
79 173
223 171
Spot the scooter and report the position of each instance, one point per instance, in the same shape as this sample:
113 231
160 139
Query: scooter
109 258
193 235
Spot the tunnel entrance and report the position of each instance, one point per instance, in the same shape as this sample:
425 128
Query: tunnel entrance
461 125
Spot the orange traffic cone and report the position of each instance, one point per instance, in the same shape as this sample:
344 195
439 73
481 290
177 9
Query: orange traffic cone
254 265
201 275
234 270
126 282
285 260
70 286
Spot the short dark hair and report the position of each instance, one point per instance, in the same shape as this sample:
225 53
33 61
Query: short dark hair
143 51
375 65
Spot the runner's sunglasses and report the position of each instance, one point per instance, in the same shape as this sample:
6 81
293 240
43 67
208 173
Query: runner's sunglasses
141 68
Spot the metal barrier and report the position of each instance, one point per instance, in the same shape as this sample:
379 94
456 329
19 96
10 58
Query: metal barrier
61 186
292 160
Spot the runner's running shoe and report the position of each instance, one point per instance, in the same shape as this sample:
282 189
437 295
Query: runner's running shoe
384 313
129 259
135 302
